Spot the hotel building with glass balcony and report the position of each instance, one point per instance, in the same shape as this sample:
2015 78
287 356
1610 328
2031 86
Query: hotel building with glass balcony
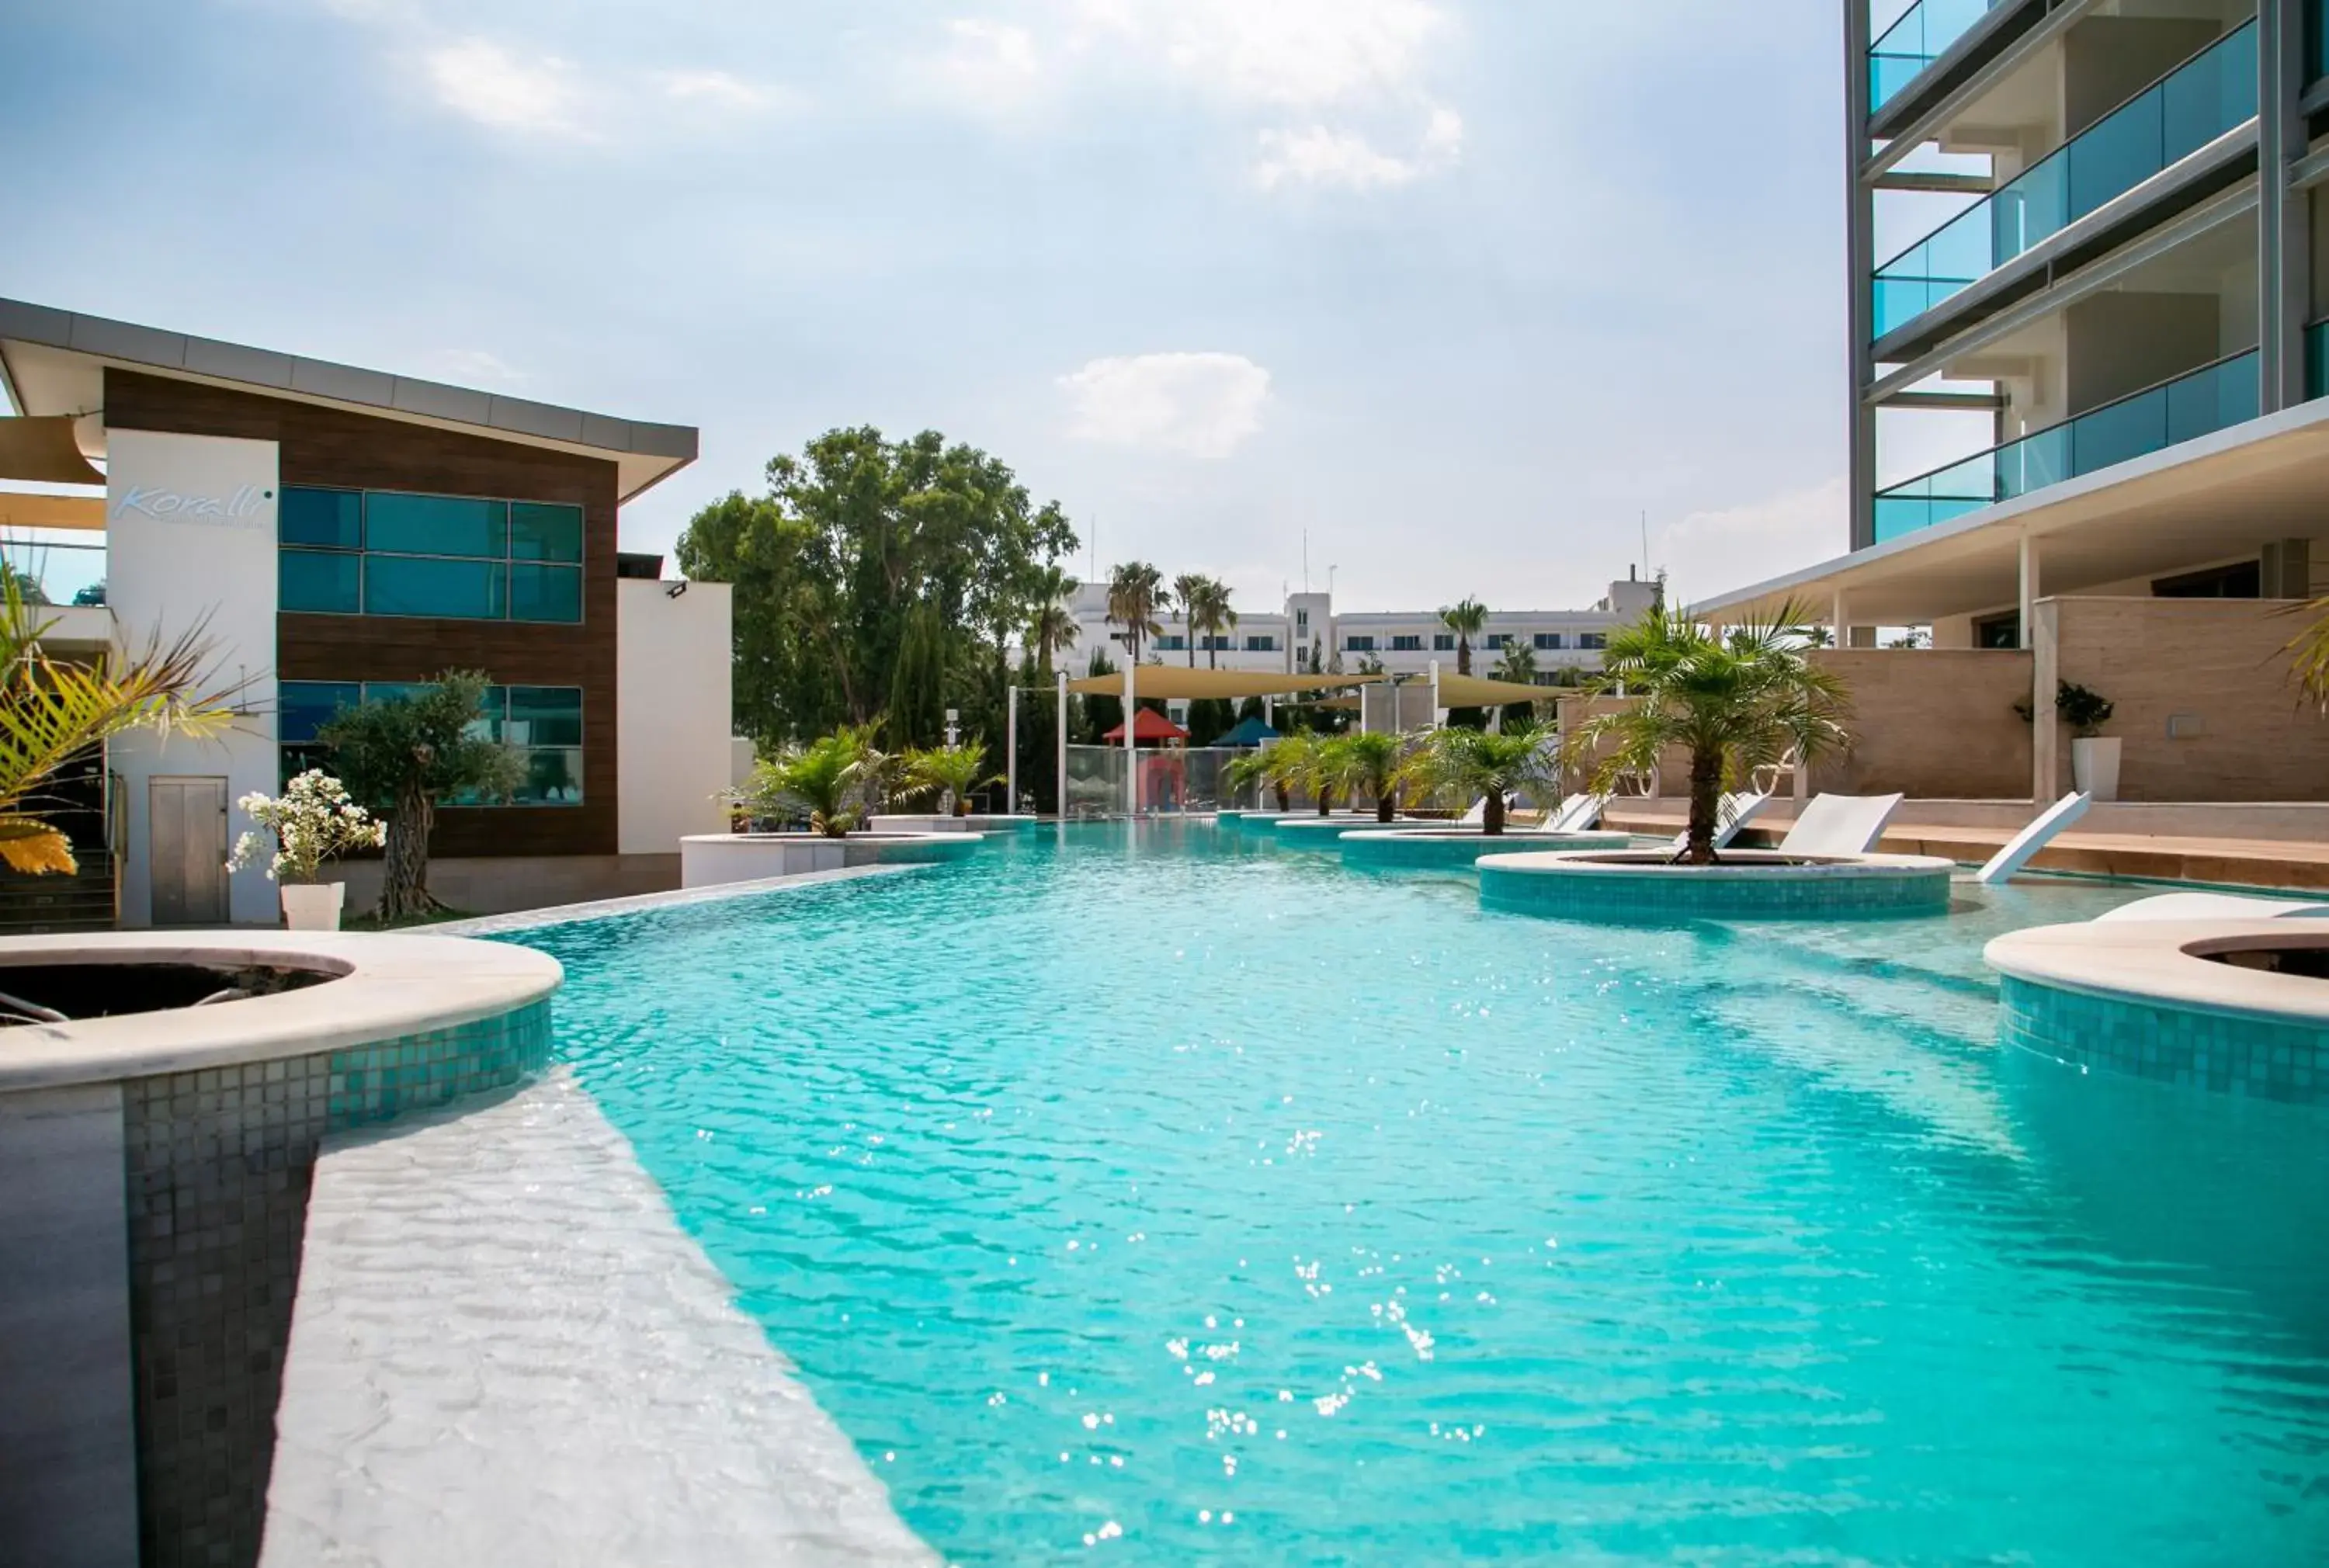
2088 303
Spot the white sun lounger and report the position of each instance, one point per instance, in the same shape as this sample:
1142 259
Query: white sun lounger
1577 814
1840 825
2024 845
2216 906
1739 809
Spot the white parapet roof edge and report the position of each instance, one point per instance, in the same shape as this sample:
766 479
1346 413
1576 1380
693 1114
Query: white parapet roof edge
387 986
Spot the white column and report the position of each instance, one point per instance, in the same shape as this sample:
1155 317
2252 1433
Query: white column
1131 744
1011 750
2046 728
1059 738
2027 602
1438 714
1840 622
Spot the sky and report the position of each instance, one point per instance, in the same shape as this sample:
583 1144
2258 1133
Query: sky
1460 290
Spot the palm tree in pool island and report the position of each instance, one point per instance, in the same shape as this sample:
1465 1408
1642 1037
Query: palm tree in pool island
1467 764
1466 618
1365 762
1734 700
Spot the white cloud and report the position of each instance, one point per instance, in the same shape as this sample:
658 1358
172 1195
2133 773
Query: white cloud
990 67
485 82
1713 552
1204 405
1323 156
717 88
1297 53
470 366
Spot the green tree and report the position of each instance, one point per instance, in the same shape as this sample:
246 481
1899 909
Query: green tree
1517 664
1366 763
1100 714
951 773
1465 617
1051 626
1735 701
864 552
1188 592
1458 765
403 756
1135 591
1206 602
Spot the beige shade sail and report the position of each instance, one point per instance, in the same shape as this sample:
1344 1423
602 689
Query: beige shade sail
1178 683
1478 691
40 447
21 510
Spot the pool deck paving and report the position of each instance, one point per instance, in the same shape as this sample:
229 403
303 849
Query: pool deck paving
505 1350
2285 863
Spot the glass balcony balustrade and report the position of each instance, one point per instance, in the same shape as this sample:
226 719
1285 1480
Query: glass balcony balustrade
55 571
1921 36
2167 122
2317 361
2213 397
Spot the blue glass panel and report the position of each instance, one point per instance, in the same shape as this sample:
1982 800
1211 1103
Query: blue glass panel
332 519
545 592
436 524
304 707
323 582
545 716
553 777
2200 101
458 589
1922 35
542 532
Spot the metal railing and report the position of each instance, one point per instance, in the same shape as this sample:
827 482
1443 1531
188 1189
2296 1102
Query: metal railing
1921 36
51 571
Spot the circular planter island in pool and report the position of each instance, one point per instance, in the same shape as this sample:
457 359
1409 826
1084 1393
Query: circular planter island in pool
2240 1007
1437 846
1647 885
712 860
1308 828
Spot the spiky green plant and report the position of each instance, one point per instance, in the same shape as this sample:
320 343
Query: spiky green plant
1735 701
1466 765
949 772
1363 763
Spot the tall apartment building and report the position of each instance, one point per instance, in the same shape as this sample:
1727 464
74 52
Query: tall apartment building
2107 242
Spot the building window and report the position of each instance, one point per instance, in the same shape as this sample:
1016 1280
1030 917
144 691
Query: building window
1413 644
354 553
1261 642
1998 631
1301 620
1220 644
1547 642
1593 639
1359 644
1443 642
544 722
1497 640
1172 643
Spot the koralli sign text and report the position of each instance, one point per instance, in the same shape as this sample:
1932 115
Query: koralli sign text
242 509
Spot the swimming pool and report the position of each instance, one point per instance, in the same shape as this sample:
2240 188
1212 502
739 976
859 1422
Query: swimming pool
1164 1198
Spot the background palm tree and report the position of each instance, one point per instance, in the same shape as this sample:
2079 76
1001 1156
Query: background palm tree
1051 628
1736 701
1517 664
1136 590
1189 593
1213 615
1465 617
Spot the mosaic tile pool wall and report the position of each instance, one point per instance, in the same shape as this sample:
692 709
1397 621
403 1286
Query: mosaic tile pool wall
219 1166
1654 897
2229 1053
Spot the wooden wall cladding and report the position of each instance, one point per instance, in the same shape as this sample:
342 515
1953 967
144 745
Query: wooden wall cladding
332 447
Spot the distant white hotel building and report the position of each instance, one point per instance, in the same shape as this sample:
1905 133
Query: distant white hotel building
1307 633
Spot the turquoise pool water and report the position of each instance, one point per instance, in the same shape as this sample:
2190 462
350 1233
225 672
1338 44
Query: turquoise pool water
1174 1199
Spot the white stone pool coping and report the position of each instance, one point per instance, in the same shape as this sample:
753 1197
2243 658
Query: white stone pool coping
2160 961
1735 864
388 985
506 1351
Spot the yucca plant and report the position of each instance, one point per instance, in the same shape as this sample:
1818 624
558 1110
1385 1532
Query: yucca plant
1735 700
949 772
1364 763
49 711
1465 764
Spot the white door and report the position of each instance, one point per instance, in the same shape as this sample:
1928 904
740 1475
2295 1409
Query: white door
187 846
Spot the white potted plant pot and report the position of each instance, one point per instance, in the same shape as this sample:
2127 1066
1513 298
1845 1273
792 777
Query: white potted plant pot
312 906
2094 765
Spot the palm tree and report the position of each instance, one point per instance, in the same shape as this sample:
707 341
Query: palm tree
1367 763
1736 701
1293 759
1052 626
1251 772
1465 617
49 712
1517 664
1189 592
1469 764
2310 664
824 779
949 772
1213 615
1135 592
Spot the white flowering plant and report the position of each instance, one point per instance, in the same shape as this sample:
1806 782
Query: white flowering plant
314 821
